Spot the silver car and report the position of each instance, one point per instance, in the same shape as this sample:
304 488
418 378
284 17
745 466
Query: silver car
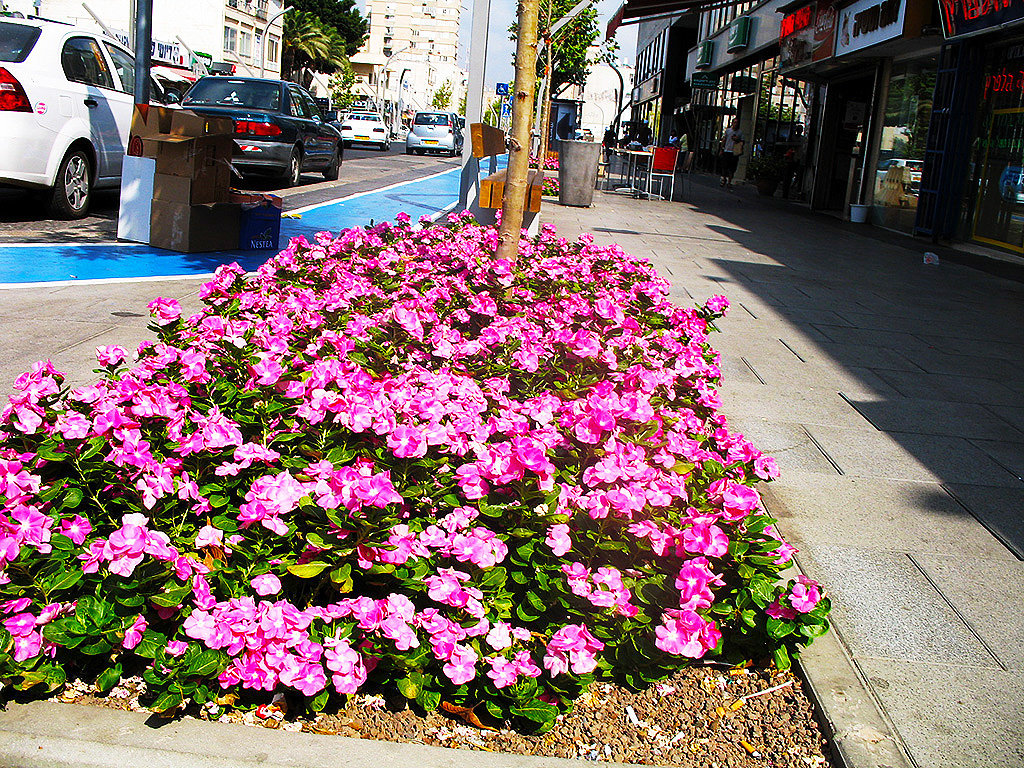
434 132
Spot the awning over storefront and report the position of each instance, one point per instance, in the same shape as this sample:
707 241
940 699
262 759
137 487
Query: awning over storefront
633 11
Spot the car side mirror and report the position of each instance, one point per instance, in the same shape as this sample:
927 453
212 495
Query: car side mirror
172 97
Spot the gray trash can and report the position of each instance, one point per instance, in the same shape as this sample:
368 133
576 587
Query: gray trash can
577 172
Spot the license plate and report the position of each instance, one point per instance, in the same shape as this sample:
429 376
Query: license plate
362 138
430 141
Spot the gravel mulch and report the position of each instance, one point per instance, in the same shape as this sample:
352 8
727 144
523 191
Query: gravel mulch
704 717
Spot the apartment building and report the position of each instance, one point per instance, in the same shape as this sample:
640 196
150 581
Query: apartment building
411 51
245 34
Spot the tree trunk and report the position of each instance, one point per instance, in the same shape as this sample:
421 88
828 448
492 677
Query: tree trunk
513 203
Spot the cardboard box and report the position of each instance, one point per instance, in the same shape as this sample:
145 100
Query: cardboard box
133 216
193 228
147 121
192 157
185 122
206 188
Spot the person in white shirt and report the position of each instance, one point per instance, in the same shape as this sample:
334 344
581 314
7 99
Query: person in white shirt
732 148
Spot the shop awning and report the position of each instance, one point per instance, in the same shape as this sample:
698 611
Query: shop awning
633 11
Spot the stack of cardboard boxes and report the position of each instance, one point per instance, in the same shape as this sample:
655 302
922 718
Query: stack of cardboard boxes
176 181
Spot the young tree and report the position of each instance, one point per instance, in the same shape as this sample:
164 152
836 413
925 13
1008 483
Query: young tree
442 96
513 204
342 16
309 45
340 85
570 64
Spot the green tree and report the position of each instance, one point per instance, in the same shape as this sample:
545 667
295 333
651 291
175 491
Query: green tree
570 64
341 86
462 104
308 45
442 96
342 16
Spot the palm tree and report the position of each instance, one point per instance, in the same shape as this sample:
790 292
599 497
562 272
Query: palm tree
309 45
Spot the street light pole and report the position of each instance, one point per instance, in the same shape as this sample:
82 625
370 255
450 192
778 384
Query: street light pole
263 40
380 79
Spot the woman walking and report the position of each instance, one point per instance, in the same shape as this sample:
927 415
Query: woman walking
732 148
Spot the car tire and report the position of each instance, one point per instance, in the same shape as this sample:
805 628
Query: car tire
334 167
72 189
293 172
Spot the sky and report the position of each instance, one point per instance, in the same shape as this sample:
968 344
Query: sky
500 49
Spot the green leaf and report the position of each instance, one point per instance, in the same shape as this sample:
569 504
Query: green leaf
167 702
96 648
428 700
151 644
92 611
319 702
205 664
408 687
55 634
781 657
537 711
173 595
308 570
494 578
95 446
72 498
62 579
778 628
108 678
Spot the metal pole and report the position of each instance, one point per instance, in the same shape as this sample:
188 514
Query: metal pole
143 49
98 20
470 179
263 40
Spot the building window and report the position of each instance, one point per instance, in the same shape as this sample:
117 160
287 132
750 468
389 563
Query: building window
273 46
230 39
245 44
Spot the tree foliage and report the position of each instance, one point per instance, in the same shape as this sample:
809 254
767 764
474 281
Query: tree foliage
442 96
341 16
341 86
571 63
308 44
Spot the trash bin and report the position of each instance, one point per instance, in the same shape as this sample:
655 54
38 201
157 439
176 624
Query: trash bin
577 172
859 213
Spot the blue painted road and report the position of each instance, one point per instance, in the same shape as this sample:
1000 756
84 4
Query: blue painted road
55 262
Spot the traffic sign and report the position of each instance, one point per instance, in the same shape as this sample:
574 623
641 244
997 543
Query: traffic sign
501 89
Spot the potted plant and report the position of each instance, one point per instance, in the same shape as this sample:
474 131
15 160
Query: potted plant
767 171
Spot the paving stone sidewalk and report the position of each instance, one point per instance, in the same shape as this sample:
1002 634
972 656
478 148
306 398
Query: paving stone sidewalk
891 392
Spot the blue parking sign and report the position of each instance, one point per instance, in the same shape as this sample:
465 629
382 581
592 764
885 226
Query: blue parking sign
501 89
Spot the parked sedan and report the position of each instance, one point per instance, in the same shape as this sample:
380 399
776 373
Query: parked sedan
365 127
66 97
278 127
434 132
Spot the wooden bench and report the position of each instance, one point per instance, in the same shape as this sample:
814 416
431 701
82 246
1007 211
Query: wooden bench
488 141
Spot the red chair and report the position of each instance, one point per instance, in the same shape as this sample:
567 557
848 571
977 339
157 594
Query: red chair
662 168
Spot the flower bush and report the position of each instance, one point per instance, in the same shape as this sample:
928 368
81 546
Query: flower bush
390 459
550 162
551 186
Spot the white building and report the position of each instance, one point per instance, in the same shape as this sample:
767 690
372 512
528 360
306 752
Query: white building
231 31
411 52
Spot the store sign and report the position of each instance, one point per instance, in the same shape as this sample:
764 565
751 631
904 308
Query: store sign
815 42
705 53
964 17
869 22
703 80
162 52
796 21
1003 81
739 35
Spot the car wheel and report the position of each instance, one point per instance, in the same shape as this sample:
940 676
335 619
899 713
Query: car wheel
333 167
72 190
294 171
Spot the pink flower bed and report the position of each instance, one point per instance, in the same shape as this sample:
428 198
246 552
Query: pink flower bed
390 459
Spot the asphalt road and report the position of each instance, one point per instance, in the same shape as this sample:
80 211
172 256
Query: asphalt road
25 219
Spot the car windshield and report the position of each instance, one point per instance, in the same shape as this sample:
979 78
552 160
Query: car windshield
363 117
428 118
16 41
235 93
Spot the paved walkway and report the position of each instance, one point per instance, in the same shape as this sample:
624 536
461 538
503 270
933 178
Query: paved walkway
891 392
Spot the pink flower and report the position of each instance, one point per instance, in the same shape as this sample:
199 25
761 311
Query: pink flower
737 501
111 355
209 536
133 635
176 647
76 529
688 634
558 539
804 594
164 311
573 647
461 666
266 584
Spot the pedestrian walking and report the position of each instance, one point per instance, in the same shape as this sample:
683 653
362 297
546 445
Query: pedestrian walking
730 152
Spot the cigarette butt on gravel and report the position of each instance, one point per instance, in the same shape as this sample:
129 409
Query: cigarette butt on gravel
736 704
749 748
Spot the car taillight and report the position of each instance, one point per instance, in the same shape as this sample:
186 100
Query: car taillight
255 128
12 96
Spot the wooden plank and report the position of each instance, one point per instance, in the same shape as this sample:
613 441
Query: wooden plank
492 190
486 140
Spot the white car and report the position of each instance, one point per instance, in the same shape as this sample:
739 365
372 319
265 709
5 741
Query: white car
66 98
367 128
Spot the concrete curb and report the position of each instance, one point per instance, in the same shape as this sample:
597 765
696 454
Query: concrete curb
49 735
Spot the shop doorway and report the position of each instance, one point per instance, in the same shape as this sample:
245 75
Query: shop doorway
843 149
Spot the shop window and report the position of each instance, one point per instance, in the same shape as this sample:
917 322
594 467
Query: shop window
245 43
901 148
